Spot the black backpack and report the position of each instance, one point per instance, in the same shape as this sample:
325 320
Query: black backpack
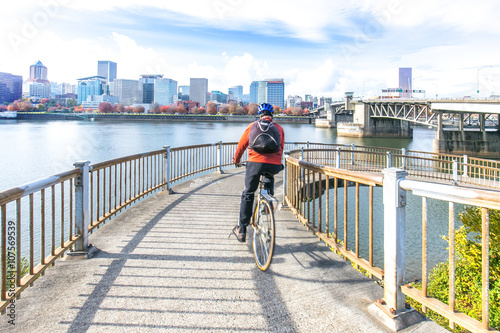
264 137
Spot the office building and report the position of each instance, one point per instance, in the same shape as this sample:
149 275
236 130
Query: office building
236 93
36 90
148 87
38 73
165 90
183 93
405 82
107 69
128 91
276 92
93 101
91 86
219 97
11 87
258 92
198 90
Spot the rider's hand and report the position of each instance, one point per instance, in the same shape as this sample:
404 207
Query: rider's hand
238 165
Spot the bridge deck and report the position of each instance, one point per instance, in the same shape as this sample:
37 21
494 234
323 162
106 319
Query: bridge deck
167 264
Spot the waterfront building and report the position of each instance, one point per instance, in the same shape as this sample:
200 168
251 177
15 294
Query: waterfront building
165 90
293 101
93 101
198 90
91 86
128 91
258 92
217 96
276 92
107 69
183 93
236 93
11 87
68 88
36 90
405 82
148 87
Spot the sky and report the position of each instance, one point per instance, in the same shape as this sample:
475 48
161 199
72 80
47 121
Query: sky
319 47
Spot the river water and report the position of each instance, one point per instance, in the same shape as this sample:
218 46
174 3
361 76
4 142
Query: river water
31 150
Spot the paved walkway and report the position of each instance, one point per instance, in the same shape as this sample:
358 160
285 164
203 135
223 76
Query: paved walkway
167 265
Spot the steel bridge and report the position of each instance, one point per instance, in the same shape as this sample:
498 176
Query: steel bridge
170 266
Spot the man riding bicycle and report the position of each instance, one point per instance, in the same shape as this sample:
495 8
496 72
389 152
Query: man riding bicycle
265 141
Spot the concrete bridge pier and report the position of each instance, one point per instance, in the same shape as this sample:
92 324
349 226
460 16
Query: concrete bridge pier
365 126
477 141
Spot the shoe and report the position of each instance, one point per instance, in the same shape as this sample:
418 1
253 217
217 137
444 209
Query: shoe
240 233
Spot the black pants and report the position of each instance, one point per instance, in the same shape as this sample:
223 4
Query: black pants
252 176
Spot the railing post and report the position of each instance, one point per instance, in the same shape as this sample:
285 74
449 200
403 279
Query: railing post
285 181
465 171
337 160
219 157
166 174
301 157
455 172
353 147
394 239
389 158
403 160
82 217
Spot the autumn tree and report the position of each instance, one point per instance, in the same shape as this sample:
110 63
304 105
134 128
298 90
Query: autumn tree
224 109
129 109
164 108
181 109
104 107
139 109
232 107
297 111
276 109
253 108
14 106
155 108
239 110
211 108
120 108
78 109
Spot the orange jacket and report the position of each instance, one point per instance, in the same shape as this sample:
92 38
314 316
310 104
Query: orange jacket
253 156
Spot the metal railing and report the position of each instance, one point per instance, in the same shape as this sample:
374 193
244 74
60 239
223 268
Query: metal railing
323 197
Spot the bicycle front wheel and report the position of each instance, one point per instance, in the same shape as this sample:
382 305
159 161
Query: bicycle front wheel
263 235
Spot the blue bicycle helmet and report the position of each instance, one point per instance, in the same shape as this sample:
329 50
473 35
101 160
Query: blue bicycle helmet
266 108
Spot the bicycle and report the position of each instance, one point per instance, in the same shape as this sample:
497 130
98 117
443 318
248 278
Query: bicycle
263 225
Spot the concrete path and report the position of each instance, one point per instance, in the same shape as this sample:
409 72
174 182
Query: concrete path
167 265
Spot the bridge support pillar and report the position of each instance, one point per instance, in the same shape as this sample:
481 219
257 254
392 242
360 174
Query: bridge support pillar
391 309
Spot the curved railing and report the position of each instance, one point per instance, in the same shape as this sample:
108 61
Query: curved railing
42 220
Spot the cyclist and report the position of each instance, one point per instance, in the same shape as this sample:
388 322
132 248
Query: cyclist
260 162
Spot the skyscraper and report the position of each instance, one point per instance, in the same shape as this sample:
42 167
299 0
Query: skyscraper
38 73
165 89
258 92
405 82
91 86
236 92
198 90
128 91
148 87
11 87
276 92
107 69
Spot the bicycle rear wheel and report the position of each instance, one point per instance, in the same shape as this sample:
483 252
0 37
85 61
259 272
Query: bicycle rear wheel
263 235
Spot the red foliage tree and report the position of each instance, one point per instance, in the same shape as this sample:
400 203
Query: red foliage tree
13 106
164 108
139 109
297 111
276 109
25 106
172 109
129 109
181 109
120 108
3 108
104 107
224 109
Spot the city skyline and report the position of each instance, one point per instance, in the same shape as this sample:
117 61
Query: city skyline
323 49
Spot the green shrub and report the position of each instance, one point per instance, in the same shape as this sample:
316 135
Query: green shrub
468 284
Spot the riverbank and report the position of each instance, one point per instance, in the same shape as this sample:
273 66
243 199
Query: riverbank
150 116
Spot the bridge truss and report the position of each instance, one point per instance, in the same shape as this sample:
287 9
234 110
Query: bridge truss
417 112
